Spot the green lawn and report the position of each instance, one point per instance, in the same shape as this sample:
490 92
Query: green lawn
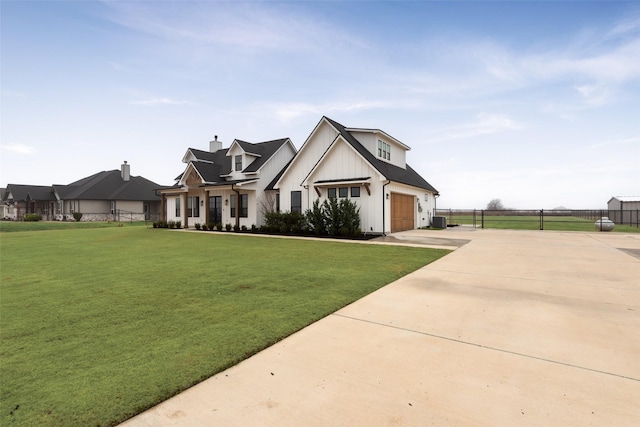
98 324
553 223
58 225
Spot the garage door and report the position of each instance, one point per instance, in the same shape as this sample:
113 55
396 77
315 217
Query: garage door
402 212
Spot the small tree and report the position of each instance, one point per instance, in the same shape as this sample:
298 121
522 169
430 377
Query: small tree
315 219
495 205
267 203
77 216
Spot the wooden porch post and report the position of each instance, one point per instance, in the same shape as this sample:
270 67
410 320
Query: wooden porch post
207 220
183 202
163 213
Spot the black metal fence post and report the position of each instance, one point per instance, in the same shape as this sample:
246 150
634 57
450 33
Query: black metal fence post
482 215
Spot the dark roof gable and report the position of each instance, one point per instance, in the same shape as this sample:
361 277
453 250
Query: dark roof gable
213 167
391 172
109 185
21 192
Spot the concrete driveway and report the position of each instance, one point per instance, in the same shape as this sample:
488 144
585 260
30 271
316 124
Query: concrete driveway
512 328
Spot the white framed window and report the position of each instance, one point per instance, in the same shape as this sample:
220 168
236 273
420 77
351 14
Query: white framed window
384 150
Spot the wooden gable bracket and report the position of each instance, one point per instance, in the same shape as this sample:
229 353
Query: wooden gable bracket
366 187
317 190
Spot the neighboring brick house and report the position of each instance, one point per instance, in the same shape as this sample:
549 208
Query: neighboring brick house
107 195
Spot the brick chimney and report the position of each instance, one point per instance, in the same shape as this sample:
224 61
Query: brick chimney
215 145
125 171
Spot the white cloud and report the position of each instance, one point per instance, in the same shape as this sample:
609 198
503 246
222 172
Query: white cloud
252 25
153 102
293 110
635 140
594 95
484 124
18 148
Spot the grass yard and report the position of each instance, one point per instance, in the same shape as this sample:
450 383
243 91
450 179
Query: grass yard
99 324
553 223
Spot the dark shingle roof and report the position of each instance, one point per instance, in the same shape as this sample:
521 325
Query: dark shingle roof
263 149
391 172
109 185
213 167
30 192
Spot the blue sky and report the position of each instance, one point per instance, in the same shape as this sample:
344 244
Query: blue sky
534 103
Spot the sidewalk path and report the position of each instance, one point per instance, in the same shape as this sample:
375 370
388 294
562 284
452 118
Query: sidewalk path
512 328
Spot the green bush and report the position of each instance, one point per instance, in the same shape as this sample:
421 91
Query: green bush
315 219
198 226
227 227
334 218
205 227
77 216
32 217
283 222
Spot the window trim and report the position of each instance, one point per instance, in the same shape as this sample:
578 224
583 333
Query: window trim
384 150
244 210
297 207
193 206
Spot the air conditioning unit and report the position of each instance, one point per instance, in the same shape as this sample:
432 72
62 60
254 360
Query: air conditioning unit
439 222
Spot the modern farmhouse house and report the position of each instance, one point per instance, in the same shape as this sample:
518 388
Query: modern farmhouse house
366 165
226 186
237 185
108 195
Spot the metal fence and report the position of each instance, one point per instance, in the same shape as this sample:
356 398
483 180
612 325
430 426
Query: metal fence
538 219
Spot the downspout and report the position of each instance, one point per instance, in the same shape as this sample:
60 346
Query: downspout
237 205
383 207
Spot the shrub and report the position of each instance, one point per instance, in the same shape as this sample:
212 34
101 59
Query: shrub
236 228
171 224
77 216
205 227
283 222
178 224
243 228
32 217
334 218
227 227
315 219
219 226
198 226
254 229
212 226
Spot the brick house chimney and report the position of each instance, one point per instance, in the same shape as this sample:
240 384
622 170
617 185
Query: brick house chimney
125 171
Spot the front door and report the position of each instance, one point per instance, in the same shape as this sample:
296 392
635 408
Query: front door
215 209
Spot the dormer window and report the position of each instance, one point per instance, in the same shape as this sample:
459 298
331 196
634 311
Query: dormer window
384 150
238 163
